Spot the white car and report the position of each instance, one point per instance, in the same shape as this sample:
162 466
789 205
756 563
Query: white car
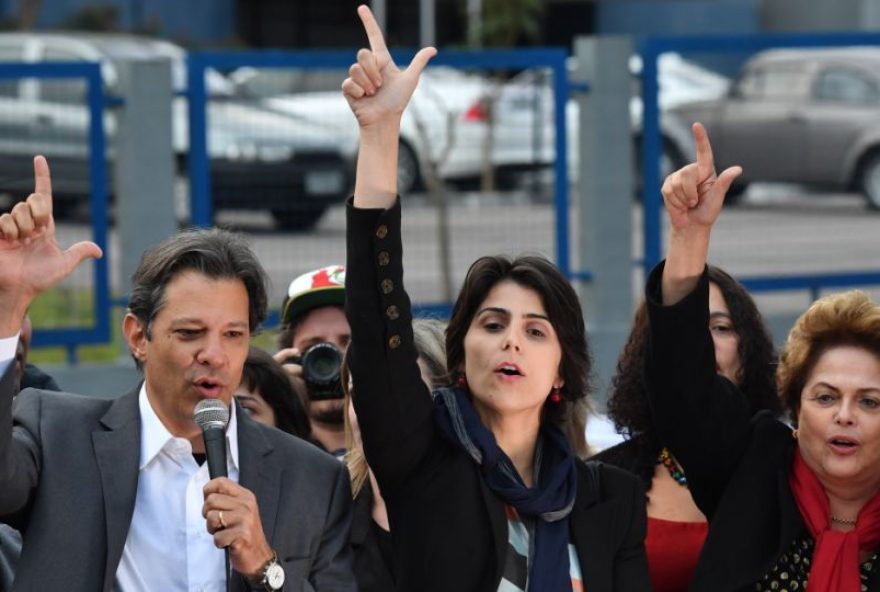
443 125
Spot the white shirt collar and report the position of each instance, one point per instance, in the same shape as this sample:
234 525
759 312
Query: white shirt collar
155 436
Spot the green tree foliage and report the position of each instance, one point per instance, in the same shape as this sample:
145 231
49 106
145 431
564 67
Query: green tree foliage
507 23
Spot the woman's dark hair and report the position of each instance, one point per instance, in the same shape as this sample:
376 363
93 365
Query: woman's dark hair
628 405
262 373
563 309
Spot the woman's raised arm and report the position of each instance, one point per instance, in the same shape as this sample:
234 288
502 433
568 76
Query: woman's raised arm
378 92
693 196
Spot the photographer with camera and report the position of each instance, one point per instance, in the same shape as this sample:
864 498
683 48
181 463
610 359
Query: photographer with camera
314 335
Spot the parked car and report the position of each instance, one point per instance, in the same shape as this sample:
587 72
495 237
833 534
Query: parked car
809 116
524 130
443 124
259 159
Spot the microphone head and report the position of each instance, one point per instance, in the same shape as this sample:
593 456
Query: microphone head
211 413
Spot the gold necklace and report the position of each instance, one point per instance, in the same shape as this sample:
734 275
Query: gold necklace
842 521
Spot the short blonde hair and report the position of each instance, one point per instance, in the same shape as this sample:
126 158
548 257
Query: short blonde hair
845 319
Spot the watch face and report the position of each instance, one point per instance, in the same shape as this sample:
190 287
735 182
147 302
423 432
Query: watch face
275 576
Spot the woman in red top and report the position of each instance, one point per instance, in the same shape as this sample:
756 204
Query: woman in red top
745 355
788 509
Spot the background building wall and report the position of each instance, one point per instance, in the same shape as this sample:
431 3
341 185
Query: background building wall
192 22
676 17
645 18
323 23
820 15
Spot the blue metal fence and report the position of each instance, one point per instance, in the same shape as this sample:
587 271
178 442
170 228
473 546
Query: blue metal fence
99 331
650 50
549 58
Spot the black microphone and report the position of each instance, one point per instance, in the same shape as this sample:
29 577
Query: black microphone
212 415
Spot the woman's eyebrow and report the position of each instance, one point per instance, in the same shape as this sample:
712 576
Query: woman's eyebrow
537 315
495 309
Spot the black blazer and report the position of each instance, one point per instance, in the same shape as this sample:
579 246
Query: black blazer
635 455
372 564
737 466
449 531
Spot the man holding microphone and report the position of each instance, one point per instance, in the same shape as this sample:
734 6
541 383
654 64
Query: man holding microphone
115 494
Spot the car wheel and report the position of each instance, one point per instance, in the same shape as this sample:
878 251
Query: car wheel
869 181
735 193
303 218
670 161
407 169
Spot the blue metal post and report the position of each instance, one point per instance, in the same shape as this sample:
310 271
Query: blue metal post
653 239
199 163
99 332
100 204
560 97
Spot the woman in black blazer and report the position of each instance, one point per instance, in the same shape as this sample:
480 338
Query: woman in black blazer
744 355
783 506
482 490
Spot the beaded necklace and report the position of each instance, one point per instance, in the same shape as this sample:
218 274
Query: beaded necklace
674 470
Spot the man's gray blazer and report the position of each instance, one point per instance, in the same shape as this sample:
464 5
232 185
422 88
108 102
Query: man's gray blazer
68 480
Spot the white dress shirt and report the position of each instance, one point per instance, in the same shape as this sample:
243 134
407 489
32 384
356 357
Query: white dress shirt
8 347
168 546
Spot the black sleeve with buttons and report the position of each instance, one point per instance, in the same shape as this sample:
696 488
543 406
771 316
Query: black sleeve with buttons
393 405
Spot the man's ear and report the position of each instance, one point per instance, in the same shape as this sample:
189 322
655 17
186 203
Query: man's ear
135 333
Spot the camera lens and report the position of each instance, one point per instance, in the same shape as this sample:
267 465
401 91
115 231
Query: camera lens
324 364
321 365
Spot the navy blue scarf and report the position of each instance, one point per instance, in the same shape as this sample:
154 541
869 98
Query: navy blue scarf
549 502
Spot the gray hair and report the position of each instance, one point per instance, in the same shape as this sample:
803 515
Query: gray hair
218 254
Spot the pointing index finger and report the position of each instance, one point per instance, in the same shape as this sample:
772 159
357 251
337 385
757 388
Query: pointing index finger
374 33
705 159
42 180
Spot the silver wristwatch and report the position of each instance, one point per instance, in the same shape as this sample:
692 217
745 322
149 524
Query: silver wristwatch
273 575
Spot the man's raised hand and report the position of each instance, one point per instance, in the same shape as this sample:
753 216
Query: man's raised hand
694 194
376 89
30 259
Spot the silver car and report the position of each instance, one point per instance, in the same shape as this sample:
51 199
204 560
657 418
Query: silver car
808 116
441 127
258 159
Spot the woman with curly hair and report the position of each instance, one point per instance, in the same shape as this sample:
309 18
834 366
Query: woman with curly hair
744 355
787 509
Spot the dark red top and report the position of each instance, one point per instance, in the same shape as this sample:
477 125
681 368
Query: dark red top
673 549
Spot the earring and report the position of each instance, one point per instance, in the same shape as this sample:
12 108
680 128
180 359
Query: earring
462 381
555 395
794 433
